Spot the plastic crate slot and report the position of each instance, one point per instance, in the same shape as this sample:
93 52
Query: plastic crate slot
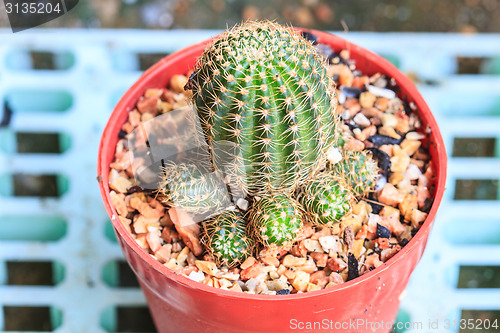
34 273
476 189
403 322
29 185
147 60
33 143
474 147
25 60
127 319
470 65
478 277
117 273
479 319
35 100
478 65
47 228
478 231
491 66
109 232
31 318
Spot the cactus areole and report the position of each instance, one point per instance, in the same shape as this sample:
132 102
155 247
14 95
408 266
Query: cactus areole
266 106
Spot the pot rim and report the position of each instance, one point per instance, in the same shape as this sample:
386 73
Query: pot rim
323 37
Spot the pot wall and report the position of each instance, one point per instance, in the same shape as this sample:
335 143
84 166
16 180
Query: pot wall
181 305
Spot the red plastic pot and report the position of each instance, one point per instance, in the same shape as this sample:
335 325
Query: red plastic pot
181 305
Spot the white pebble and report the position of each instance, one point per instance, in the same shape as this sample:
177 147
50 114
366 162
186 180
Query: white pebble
381 92
345 115
333 155
380 183
361 120
414 136
252 284
196 276
412 172
242 203
312 245
329 243
342 98
389 120
380 82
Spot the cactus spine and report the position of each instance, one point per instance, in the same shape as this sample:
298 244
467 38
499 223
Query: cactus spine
226 238
276 219
326 199
358 170
266 106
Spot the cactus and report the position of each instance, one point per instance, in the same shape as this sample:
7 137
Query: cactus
358 170
226 238
266 106
276 219
326 199
267 110
189 187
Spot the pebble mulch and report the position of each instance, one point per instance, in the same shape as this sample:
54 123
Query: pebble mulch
375 119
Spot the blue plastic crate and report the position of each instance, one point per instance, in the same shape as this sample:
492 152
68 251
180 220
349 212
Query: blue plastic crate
71 230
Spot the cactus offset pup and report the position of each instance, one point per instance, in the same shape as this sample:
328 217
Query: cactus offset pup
226 238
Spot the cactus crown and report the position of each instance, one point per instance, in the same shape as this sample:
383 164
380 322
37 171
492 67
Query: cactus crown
276 220
266 106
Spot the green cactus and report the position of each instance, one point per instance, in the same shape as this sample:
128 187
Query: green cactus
226 238
326 199
359 171
266 106
276 219
189 187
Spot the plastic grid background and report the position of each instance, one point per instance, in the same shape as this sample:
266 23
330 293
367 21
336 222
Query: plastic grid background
106 64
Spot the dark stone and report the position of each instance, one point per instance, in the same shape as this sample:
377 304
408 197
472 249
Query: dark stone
351 91
383 232
352 267
383 160
380 140
283 292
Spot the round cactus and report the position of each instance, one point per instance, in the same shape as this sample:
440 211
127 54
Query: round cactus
326 199
358 170
226 238
266 106
191 188
276 219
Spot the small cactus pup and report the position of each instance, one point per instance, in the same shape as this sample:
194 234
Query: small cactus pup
192 188
359 171
275 219
326 199
226 239
266 105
